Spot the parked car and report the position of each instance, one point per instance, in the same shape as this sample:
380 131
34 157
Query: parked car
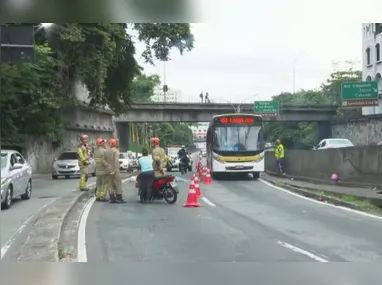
16 177
333 143
127 161
67 165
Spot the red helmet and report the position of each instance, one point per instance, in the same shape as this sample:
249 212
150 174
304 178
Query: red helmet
113 142
83 137
100 141
155 140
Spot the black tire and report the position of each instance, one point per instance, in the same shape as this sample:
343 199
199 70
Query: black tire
214 175
54 177
67 176
8 198
256 175
190 168
94 173
28 191
174 195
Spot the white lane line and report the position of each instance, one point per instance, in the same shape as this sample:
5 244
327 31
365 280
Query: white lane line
81 244
11 240
322 203
301 251
208 202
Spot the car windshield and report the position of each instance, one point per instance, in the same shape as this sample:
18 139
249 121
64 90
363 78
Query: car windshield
68 156
340 142
4 157
123 156
239 138
173 151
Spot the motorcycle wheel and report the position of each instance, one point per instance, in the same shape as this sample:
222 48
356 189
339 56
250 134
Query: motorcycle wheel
170 195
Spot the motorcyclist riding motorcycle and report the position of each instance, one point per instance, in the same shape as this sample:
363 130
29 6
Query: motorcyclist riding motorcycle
184 160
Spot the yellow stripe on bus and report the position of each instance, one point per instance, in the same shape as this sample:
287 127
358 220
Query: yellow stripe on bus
240 158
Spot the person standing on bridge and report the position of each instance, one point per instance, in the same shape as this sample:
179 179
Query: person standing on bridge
207 99
201 96
279 155
83 161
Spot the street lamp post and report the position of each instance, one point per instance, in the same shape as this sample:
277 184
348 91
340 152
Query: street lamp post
294 70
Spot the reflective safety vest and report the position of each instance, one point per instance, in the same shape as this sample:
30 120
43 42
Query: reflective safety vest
83 155
100 163
279 151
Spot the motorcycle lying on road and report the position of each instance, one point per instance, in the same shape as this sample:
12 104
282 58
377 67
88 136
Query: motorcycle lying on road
164 187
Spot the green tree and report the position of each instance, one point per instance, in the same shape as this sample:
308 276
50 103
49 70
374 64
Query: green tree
304 135
143 87
102 56
31 100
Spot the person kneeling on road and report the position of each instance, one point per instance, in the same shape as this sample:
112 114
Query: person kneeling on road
146 177
113 178
101 169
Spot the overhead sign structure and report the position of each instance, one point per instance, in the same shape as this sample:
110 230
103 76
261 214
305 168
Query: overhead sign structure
17 44
359 94
266 108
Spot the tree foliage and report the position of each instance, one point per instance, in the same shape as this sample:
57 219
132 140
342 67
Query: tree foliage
304 135
100 55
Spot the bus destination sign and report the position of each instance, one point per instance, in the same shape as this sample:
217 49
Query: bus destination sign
236 120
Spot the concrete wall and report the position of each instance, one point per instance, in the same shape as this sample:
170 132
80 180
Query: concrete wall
354 164
365 131
41 153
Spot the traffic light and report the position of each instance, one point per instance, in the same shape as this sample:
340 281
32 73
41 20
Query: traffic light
17 44
165 88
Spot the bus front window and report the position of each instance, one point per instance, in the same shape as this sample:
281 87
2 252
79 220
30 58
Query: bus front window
238 138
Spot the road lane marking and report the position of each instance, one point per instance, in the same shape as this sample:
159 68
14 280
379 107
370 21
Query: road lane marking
301 251
13 237
208 202
81 243
322 203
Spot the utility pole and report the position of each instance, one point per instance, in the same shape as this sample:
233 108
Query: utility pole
164 82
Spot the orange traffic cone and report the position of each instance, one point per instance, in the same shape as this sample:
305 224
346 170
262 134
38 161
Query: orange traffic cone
197 187
208 179
192 200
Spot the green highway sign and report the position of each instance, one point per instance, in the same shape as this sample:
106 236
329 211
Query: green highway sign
359 94
266 108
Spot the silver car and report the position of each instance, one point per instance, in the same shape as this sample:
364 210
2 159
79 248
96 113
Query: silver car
67 165
16 177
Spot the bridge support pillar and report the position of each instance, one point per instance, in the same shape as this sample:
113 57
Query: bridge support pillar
123 134
324 130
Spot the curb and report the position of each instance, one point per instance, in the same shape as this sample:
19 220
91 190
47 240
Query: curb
43 240
322 198
326 182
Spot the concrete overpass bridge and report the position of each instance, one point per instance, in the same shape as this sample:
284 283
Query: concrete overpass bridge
199 112
203 112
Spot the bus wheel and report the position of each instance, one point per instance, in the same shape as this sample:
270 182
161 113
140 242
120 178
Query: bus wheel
256 175
215 175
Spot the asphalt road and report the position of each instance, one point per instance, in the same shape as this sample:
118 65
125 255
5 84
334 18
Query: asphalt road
240 221
17 220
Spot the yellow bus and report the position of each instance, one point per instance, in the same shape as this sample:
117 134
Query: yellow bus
235 144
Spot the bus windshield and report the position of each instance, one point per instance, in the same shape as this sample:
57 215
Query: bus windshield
239 138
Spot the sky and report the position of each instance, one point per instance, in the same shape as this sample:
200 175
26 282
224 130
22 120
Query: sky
248 51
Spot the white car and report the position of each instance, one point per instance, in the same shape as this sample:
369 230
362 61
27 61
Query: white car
16 177
67 165
333 143
127 161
